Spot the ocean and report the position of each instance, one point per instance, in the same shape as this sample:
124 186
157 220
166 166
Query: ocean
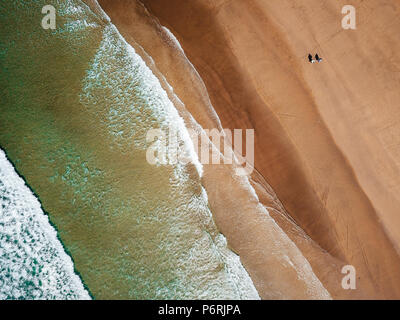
76 105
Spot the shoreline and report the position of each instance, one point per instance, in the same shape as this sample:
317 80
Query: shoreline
244 58
52 225
142 25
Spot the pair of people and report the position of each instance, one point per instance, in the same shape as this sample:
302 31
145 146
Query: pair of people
317 58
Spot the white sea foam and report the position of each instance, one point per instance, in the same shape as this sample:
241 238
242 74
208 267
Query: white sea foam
33 263
151 91
173 38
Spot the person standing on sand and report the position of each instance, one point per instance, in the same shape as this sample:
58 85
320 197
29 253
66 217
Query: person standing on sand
310 58
318 58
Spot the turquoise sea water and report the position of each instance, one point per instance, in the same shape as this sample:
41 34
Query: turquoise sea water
76 104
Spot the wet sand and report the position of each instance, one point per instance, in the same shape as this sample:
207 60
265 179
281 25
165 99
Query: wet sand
235 209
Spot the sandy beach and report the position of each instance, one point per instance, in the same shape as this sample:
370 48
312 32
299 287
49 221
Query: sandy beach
325 134
99 107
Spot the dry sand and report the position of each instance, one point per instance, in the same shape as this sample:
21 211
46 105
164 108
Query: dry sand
326 134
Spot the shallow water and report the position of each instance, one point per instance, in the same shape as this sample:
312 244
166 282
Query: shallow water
77 103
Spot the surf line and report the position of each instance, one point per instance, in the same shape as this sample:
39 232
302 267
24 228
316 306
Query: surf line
169 310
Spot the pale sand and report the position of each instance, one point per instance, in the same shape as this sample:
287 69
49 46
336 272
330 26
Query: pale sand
318 142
